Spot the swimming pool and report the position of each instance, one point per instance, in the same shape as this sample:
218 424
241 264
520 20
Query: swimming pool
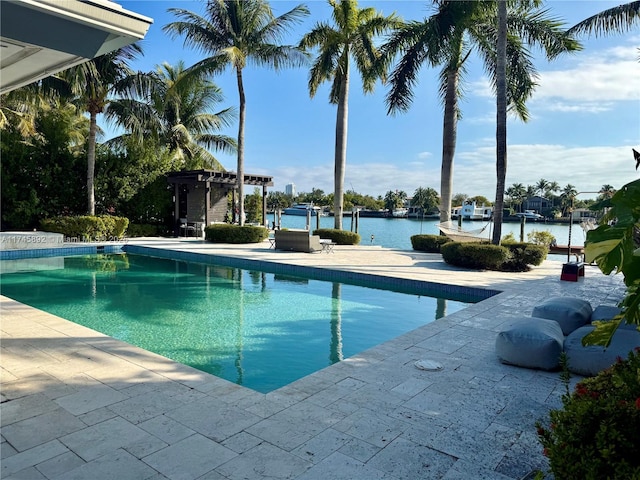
258 329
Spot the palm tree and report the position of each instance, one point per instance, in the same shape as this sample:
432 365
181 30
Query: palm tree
606 191
394 199
541 186
517 193
552 188
233 32
425 198
92 82
567 197
351 39
446 38
501 119
618 19
173 108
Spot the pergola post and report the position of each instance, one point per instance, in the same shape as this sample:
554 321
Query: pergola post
264 206
176 209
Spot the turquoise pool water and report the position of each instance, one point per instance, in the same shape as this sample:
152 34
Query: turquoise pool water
257 329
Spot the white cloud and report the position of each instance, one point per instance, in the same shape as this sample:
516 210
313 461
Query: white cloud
587 168
590 84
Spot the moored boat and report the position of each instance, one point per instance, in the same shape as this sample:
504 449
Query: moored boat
530 215
471 211
302 209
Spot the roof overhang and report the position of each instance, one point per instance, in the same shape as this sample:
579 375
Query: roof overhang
41 37
212 176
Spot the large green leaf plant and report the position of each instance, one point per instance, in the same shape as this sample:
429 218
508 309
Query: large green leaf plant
613 246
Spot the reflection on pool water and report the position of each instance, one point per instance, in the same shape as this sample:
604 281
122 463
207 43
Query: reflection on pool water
257 329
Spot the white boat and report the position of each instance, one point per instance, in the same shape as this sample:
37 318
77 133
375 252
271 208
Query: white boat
400 212
530 215
302 210
471 211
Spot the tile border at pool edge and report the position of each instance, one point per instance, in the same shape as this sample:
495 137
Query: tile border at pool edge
61 251
422 287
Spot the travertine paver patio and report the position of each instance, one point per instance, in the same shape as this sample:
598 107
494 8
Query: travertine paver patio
80 405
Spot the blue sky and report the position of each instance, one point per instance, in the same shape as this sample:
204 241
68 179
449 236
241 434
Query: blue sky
585 115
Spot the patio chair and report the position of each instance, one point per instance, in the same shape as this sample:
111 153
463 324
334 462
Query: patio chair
187 227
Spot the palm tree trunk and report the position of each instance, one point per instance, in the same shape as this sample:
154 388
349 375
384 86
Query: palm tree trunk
342 118
240 173
449 134
91 164
501 120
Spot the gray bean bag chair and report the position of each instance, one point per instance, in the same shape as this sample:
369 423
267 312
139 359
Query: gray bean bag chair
531 343
589 361
604 312
569 312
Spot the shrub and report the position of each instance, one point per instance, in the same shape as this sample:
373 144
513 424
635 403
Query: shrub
475 255
86 227
226 233
544 237
341 237
429 243
597 432
522 255
142 230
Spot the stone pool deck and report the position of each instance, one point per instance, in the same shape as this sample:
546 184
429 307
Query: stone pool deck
77 404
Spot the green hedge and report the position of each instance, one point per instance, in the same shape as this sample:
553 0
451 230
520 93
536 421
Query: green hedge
86 227
482 256
143 230
341 237
509 257
523 255
227 233
429 243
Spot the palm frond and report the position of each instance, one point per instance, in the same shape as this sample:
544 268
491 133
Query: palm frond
618 19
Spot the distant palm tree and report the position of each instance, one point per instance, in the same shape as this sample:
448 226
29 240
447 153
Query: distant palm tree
517 193
541 186
618 19
92 83
394 199
351 38
553 187
233 32
173 107
426 199
606 191
567 197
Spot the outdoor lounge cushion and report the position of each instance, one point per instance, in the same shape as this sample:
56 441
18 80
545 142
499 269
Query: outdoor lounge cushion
590 360
604 312
569 312
531 342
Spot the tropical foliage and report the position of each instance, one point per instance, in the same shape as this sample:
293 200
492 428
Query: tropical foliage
614 246
394 199
171 106
426 199
614 20
232 33
91 83
597 432
350 39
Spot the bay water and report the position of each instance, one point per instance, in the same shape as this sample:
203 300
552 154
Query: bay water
397 232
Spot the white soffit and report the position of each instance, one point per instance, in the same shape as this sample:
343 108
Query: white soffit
41 37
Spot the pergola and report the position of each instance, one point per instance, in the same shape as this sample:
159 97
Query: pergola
200 196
